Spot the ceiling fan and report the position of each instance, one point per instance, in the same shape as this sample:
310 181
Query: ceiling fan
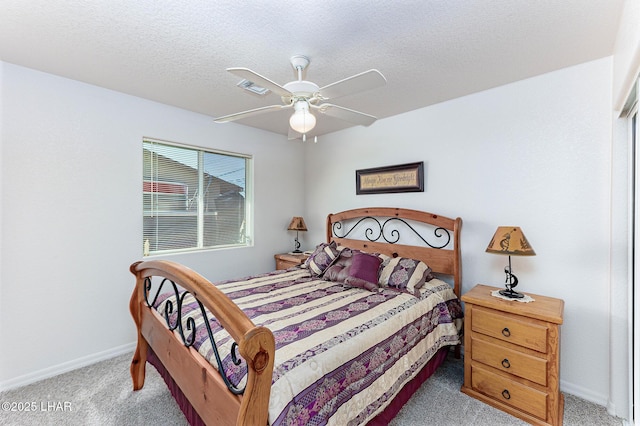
305 97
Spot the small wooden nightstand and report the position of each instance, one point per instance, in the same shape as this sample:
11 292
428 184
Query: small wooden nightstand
287 260
512 354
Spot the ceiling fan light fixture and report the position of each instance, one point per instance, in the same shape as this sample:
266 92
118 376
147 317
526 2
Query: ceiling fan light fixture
302 120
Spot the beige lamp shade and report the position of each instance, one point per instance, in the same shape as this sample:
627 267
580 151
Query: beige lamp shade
297 224
511 241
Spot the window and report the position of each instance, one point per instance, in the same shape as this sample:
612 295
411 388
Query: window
194 199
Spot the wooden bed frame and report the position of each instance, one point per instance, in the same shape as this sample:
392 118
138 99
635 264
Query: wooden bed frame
200 382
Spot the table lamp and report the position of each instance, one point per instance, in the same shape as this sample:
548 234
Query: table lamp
297 224
510 240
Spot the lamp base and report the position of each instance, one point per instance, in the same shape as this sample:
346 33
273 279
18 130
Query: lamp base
296 245
511 294
511 282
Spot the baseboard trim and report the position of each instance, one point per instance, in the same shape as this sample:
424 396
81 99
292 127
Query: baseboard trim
65 367
584 393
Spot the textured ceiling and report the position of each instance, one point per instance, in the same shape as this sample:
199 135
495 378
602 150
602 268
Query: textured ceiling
176 51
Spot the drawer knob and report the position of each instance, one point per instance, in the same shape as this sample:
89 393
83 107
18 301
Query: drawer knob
506 332
506 363
506 394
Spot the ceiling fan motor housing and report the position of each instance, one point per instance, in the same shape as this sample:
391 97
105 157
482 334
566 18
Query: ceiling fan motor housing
301 89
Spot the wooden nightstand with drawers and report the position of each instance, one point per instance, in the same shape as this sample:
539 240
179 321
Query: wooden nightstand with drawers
512 354
288 260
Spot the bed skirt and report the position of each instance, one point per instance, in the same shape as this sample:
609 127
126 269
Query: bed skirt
381 419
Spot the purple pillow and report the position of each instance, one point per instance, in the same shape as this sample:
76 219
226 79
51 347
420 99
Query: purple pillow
338 271
357 282
365 267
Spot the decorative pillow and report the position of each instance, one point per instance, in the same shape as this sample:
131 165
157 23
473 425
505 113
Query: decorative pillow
365 267
339 270
342 270
357 282
321 258
403 273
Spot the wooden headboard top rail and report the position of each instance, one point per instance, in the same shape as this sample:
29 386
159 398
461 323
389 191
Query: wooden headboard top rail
442 259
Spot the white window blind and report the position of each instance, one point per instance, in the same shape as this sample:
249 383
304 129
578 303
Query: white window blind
193 198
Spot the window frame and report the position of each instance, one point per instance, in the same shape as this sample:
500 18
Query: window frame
201 151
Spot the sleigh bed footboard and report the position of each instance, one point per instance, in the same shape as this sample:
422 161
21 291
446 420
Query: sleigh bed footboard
216 400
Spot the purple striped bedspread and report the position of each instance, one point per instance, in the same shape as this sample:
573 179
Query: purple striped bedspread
342 353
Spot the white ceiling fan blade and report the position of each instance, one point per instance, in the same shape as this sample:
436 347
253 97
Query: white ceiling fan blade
259 80
354 84
346 114
249 113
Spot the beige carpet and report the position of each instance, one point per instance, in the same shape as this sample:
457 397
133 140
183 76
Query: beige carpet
101 394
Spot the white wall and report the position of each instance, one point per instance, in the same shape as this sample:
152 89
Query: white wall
71 214
536 154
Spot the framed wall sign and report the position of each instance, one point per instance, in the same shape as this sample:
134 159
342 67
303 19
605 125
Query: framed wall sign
390 179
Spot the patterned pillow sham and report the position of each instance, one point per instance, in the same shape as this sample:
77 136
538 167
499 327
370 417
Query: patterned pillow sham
321 258
403 273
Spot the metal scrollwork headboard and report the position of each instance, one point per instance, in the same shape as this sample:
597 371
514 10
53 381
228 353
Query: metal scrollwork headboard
438 245
393 235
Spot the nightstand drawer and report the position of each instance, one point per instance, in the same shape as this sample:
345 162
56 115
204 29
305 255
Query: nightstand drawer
509 392
285 264
510 361
510 329
288 260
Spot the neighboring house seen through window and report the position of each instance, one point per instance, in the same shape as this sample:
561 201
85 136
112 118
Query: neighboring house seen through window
194 198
